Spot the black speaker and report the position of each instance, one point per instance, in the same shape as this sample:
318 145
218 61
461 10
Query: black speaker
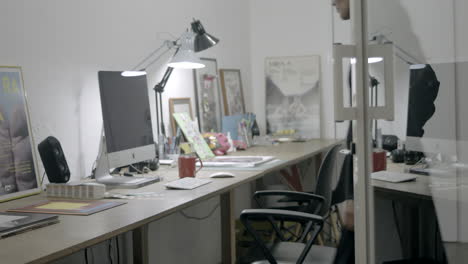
54 160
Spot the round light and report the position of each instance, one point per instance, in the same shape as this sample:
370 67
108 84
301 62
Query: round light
370 60
133 73
375 60
186 65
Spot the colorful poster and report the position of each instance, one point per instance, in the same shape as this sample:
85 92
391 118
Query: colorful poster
17 167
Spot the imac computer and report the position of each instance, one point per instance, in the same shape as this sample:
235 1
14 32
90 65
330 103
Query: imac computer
431 116
127 135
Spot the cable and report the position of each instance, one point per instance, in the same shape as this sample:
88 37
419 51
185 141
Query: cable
86 255
110 251
42 180
117 249
137 170
397 225
200 218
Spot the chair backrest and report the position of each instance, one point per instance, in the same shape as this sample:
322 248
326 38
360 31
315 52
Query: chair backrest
344 189
324 186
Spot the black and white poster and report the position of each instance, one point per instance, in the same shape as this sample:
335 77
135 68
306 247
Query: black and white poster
293 95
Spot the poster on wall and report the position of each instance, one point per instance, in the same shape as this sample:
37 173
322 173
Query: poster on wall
18 170
293 95
208 96
233 97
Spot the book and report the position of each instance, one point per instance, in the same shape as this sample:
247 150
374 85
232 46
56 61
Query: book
193 136
15 223
68 207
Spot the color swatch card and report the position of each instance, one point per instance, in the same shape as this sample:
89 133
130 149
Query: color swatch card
68 207
193 136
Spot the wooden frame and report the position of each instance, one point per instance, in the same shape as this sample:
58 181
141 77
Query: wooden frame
20 177
233 95
208 96
178 105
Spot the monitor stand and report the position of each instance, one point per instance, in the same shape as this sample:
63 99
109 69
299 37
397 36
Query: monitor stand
103 176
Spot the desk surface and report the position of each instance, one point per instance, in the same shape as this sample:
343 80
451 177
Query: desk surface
420 188
74 233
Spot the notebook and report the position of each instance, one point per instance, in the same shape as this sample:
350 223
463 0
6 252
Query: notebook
15 223
68 207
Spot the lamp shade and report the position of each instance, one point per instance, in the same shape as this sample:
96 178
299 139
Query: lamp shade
202 39
185 58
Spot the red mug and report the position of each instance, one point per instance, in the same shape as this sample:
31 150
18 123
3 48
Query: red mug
379 160
187 165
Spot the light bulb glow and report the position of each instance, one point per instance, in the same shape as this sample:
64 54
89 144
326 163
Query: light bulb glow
369 60
186 65
133 73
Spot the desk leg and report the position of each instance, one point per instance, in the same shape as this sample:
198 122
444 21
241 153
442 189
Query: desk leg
228 232
140 245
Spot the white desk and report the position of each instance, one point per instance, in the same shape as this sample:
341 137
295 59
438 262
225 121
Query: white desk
74 233
418 189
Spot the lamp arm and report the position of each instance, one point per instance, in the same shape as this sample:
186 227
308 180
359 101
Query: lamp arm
168 44
159 87
381 38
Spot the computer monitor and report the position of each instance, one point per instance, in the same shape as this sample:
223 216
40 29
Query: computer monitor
431 124
128 134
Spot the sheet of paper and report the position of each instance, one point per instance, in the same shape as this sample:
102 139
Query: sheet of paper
63 206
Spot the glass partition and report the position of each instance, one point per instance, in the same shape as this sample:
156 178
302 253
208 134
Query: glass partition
423 140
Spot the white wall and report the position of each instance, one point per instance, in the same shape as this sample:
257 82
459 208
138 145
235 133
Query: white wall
285 28
429 40
61 44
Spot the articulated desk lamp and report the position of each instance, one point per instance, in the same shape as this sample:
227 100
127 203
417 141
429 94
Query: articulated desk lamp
400 53
184 58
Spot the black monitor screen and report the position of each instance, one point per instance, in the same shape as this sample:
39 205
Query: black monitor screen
126 111
424 88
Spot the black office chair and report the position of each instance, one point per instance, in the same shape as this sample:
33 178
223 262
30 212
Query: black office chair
307 209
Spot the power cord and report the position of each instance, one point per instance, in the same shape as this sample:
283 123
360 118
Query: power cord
137 170
111 260
42 180
397 224
118 249
200 218
86 255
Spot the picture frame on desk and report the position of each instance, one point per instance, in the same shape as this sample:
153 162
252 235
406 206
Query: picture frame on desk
179 105
19 174
208 96
233 96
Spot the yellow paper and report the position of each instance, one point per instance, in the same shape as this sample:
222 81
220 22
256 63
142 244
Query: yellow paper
63 206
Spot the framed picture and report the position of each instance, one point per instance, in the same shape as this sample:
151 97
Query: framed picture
208 96
233 97
18 164
179 105
293 95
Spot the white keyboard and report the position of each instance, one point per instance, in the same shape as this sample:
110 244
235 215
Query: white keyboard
390 176
187 183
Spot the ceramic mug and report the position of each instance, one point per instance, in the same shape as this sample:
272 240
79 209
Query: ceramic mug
379 160
187 165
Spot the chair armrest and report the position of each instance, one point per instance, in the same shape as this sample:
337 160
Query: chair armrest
291 196
286 215
249 215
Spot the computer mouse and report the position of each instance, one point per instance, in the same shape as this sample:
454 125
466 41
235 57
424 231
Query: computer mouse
222 174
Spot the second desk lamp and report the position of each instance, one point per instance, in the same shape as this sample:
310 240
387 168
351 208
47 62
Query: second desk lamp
191 41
